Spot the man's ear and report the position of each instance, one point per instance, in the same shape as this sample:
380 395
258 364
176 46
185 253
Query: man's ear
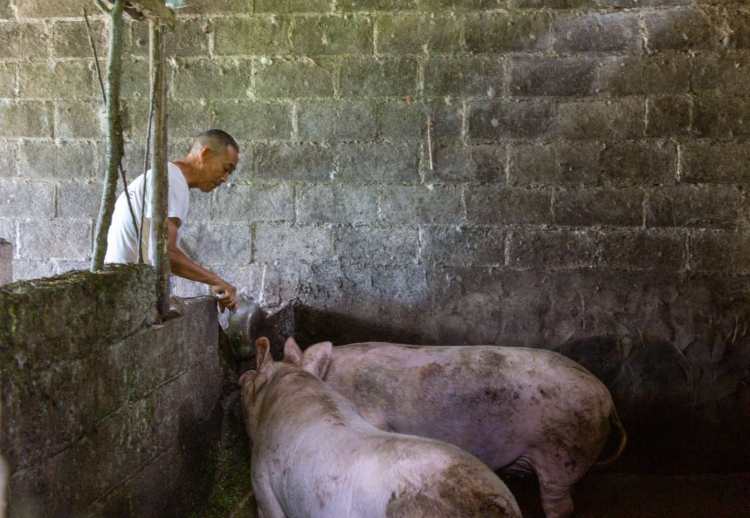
317 359
262 352
292 352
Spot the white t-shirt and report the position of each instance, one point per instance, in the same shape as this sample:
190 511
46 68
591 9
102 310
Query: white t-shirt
122 239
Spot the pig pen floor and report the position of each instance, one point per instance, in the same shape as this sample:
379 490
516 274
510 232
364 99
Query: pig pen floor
622 495
619 495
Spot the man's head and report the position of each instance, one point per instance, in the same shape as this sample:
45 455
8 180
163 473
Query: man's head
214 155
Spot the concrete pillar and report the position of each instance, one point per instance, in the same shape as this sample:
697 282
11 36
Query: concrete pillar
6 262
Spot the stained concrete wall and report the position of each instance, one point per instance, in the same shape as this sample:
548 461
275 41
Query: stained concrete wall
560 173
103 413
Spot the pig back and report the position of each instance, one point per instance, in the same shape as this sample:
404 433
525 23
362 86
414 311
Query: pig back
489 400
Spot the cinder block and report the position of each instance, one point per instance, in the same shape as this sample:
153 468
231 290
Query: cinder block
5 10
25 119
553 76
662 250
683 28
715 162
592 119
216 243
739 27
471 76
719 251
696 206
409 33
8 158
292 244
424 204
606 32
294 78
663 73
252 36
512 31
212 79
79 119
8 82
463 246
377 163
235 203
10 39
639 163
721 116
342 120
45 9
336 204
293 6
439 5
586 207
553 249
76 200
34 40
560 163
253 120
57 80
668 116
378 77
504 206
332 34
218 7
58 160
374 5
40 239
26 200
726 73
70 39
376 246
293 162
496 120
455 162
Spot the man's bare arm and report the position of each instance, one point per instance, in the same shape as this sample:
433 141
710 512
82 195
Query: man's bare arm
184 266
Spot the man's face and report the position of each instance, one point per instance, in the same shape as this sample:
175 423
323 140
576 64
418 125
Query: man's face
217 166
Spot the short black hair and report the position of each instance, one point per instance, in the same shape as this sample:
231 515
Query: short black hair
216 138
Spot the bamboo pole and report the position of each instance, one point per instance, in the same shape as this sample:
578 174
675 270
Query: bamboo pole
159 181
114 135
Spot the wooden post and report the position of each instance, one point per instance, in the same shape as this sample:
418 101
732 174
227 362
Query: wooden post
159 180
114 135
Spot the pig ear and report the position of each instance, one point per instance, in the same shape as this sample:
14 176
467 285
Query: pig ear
262 352
247 377
317 359
292 352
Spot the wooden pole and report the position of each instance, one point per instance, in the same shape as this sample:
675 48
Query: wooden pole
159 181
114 135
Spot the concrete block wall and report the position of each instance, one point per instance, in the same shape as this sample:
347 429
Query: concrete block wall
104 414
529 172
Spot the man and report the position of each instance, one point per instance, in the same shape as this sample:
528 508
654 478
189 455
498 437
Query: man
212 158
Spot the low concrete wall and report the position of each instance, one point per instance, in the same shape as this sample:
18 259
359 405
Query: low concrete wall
104 413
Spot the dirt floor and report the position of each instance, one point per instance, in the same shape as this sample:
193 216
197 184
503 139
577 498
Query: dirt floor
616 495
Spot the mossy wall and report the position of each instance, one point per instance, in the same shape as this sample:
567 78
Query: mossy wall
104 413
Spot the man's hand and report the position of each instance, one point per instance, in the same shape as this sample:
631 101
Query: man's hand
226 294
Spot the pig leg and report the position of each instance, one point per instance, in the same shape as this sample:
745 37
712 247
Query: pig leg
268 505
556 499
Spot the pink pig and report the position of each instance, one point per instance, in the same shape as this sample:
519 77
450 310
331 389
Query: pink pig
517 409
314 456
